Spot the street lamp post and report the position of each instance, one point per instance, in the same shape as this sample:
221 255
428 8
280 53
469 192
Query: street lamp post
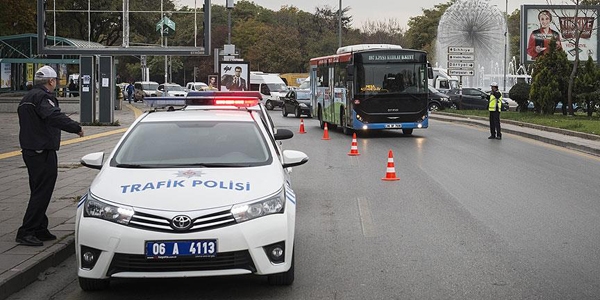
505 42
340 25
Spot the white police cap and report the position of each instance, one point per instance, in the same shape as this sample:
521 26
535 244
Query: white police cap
45 72
494 84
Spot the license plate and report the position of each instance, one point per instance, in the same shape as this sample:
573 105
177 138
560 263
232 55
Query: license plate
393 125
174 249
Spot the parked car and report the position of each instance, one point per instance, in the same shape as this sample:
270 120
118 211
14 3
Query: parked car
472 98
195 86
170 90
144 89
297 101
439 100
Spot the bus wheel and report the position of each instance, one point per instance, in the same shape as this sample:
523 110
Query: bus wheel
345 129
407 131
320 116
269 105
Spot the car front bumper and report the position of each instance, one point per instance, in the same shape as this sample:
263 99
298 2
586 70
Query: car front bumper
241 249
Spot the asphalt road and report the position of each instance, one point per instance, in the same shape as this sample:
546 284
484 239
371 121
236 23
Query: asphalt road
470 218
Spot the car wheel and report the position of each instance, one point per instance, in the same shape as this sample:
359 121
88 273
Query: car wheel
407 131
285 278
284 111
434 106
88 284
453 106
269 105
297 112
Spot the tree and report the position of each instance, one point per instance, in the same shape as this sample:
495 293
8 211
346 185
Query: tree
550 77
520 93
422 32
587 84
21 19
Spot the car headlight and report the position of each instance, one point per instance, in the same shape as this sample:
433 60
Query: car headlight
248 211
444 99
95 208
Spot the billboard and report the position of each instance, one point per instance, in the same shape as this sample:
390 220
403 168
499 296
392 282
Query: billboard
542 23
235 76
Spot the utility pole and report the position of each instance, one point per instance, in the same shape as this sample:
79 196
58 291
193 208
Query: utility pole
505 42
340 25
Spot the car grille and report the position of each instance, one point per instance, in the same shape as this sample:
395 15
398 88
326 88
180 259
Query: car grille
152 222
223 261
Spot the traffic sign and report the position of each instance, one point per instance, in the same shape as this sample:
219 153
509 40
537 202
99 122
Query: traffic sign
461 57
458 72
457 49
460 65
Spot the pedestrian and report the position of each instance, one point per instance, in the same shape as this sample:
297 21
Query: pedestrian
40 125
73 88
130 90
495 106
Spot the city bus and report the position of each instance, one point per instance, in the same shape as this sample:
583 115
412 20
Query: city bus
371 87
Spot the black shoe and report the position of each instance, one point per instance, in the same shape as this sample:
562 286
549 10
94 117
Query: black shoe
499 137
45 236
491 137
29 240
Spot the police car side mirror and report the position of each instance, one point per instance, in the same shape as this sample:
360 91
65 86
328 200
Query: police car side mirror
292 158
93 160
283 134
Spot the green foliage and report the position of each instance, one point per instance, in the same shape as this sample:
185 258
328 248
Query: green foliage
422 30
18 16
520 94
587 84
550 80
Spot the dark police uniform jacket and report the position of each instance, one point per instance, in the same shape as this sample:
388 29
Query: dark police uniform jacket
41 121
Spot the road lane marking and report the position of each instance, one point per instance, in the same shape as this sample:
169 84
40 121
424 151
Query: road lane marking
366 218
137 112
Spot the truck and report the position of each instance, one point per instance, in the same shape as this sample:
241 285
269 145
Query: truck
442 81
271 87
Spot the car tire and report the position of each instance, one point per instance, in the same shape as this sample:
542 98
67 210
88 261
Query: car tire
88 284
434 106
297 112
285 278
269 105
407 131
284 111
453 106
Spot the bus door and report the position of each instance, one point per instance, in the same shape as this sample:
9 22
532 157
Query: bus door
330 99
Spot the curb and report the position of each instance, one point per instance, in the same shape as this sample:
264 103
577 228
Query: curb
475 120
28 271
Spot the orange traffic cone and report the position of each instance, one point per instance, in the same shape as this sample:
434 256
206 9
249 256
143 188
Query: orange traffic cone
354 147
301 126
390 172
325 133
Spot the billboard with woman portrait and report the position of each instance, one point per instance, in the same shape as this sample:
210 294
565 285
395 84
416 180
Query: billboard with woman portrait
540 24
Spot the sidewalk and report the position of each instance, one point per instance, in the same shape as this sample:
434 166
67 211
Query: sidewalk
21 265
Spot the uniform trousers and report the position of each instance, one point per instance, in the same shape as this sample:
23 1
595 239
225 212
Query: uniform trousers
495 124
43 172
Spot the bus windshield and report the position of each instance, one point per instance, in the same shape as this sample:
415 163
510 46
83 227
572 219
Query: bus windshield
391 78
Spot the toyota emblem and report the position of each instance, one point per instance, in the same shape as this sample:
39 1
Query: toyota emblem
181 222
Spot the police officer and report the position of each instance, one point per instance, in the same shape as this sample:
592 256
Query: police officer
41 122
495 106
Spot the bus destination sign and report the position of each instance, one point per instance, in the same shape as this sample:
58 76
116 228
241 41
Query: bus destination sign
391 57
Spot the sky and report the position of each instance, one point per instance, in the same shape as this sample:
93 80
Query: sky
374 10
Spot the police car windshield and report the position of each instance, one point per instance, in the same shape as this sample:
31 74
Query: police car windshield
193 144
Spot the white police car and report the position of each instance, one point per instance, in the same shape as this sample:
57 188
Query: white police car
199 191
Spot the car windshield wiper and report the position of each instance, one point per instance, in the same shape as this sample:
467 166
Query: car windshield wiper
133 166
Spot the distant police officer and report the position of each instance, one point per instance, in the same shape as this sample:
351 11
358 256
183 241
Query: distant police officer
495 106
41 122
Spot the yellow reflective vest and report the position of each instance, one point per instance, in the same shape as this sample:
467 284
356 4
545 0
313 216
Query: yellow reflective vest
493 101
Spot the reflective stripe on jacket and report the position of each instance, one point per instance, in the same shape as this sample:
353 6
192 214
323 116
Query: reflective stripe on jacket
492 103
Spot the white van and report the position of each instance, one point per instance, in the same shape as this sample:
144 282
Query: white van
271 86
